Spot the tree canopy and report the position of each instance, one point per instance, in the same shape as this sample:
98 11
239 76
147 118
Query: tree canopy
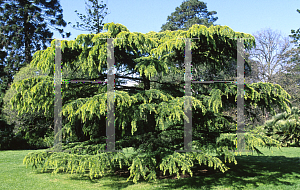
189 13
151 119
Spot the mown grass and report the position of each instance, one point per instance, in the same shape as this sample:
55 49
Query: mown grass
277 170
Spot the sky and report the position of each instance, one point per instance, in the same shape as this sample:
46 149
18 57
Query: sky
149 15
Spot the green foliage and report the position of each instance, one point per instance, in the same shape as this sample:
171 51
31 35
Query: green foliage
185 161
6 135
189 13
95 165
140 165
22 27
23 30
151 120
254 138
33 126
296 34
285 127
48 139
83 148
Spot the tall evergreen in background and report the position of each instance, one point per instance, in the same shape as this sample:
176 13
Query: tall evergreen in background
93 20
23 31
189 13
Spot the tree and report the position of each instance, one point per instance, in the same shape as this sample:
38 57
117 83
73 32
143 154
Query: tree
149 120
267 59
296 34
285 127
189 13
23 30
289 76
93 22
3 85
32 126
270 46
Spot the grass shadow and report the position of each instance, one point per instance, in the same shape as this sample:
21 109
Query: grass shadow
251 171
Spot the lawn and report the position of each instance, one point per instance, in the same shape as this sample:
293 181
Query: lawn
277 170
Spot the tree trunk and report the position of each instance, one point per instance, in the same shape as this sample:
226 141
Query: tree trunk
146 82
27 39
266 115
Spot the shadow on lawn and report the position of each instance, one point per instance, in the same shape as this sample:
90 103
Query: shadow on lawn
250 170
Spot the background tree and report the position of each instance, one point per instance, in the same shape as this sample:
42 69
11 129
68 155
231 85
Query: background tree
151 121
289 76
93 20
31 126
296 34
285 127
270 46
189 13
23 30
3 87
267 60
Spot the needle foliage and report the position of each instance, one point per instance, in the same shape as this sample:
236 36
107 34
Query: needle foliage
148 118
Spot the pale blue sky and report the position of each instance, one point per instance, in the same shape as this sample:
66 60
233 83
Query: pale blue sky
149 15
